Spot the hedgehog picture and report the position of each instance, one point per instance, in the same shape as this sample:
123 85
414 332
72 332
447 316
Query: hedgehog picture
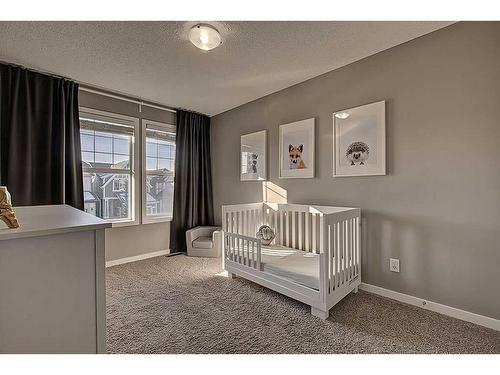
357 153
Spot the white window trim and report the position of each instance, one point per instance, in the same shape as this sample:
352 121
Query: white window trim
159 126
134 184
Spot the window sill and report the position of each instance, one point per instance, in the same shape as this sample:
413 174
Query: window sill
153 220
130 223
118 224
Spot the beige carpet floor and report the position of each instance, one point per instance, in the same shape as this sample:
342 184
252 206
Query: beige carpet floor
184 305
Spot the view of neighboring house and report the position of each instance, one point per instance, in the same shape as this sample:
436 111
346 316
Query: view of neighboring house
159 194
107 195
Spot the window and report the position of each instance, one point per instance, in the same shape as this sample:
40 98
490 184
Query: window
158 171
109 165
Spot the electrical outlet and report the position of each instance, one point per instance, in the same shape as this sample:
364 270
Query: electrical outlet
394 265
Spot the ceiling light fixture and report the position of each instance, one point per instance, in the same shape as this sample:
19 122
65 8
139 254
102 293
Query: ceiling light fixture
342 115
205 37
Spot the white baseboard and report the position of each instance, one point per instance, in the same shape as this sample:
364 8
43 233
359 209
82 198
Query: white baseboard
135 258
433 306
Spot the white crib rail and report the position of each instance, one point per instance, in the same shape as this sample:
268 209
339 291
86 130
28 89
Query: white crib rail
243 250
243 219
296 226
344 248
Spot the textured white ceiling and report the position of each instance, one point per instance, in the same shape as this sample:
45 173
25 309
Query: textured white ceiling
155 61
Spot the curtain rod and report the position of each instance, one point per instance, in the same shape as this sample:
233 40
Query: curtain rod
95 90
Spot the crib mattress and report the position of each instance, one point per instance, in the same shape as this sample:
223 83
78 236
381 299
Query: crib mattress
296 265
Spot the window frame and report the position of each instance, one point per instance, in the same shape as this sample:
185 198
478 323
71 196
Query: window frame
132 122
161 126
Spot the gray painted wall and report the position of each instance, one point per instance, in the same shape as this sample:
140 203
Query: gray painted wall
438 209
139 239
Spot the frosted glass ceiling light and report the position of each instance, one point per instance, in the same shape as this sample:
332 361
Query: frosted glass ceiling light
205 37
342 115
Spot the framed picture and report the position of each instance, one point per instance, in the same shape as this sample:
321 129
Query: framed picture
359 141
297 149
253 156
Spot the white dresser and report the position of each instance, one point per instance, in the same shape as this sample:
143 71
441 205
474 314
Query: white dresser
52 282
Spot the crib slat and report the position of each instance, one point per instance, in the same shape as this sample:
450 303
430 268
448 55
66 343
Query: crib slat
248 256
241 250
287 228
353 246
281 228
331 279
349 247
344 248
299 231
257 222
272 224
247 223
258 256
335 253
248 253
233 246
358 245
293 229
346 238
253 254
341 253
237 250
313 237
354 234
256 219
307 234
252 223
275 225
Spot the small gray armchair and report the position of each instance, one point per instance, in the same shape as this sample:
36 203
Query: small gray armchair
204 242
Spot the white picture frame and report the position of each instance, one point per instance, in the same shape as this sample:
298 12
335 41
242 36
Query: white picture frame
297 149
359 145
253 156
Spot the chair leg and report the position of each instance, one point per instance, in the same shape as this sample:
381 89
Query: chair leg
320 313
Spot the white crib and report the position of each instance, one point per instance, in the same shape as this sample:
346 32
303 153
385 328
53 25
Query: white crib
318 247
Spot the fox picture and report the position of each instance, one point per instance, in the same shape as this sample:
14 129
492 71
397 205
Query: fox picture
295 154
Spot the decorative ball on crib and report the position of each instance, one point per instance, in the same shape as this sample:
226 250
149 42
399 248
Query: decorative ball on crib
265 234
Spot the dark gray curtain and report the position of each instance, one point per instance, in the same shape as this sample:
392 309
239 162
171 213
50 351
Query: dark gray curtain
193 205
40 152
